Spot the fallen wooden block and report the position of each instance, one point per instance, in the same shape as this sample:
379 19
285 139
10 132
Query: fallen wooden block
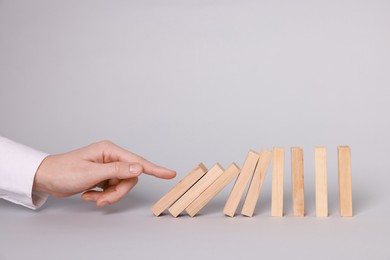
241 183
321 182
218 185
345 181
252 196
277 182
179 189
181 204
297 180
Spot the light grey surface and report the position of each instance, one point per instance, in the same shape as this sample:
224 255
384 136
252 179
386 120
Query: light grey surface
182 82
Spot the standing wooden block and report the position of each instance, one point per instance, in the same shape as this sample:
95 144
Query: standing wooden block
218 185
277 182
241 183
297 179
185 200
345 181
256 183
321 182
179 189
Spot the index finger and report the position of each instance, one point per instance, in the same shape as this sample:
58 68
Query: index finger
155 170
118 153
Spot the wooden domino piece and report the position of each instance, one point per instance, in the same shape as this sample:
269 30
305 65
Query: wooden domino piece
241 183
188 197
179 189
297 180
218 185
252 196
321 182
277 182
345 181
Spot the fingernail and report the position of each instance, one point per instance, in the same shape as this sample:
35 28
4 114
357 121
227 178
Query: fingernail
136 169
86 197
104 203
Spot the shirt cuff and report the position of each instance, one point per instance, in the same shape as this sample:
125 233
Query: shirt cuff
18 166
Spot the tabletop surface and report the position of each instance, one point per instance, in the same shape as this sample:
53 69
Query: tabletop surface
183 82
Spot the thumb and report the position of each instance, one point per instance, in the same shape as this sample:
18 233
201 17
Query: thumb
120 170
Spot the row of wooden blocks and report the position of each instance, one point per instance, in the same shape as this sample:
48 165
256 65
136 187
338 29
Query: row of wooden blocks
201 185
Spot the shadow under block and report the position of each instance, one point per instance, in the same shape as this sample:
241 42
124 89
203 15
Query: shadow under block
179 189
321 182
277 182
345 181
217 186
256 183
297 180
241 183
188 197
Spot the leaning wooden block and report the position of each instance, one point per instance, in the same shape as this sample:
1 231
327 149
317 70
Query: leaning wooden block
321 182
256 183
185 200
179 189
241 183
345 181
277 182
218 185
297 180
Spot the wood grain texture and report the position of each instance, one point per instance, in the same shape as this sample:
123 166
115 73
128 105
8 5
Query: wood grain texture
241 183
277 182
179 189
181 204
321 182
217 186
297 181
345 181
252 196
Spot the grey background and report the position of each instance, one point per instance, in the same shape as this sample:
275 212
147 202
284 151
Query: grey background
183 82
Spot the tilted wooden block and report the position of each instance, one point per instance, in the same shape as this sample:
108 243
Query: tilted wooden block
218 185
345 181
321 182
297 180
241 183
188 197
277 182
256 183
179 189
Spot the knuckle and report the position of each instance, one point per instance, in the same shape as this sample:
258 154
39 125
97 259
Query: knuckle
114 168
105 143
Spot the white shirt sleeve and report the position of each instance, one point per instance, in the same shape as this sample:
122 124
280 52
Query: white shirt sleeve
18 165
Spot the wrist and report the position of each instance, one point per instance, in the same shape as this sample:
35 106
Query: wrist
40 183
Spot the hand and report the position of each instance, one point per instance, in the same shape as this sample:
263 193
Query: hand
102 164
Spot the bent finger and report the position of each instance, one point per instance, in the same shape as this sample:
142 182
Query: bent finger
115 193
94 195
91 195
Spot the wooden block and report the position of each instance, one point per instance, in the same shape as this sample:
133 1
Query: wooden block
188 197
345 181
179 189
256 183
321 182
241 183
277 182
297 180
218 185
